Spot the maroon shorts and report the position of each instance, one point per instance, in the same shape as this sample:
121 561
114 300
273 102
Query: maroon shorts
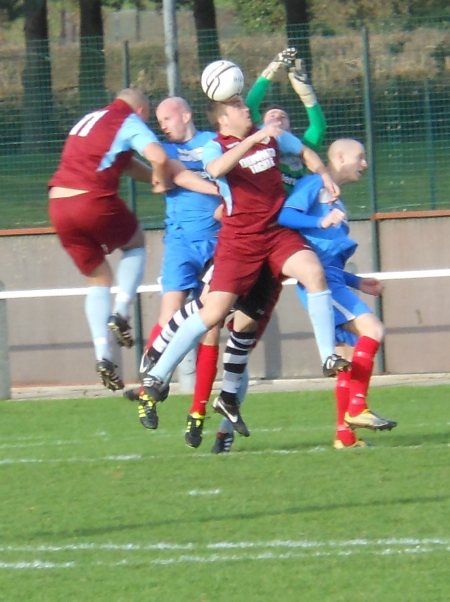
238 261
90 227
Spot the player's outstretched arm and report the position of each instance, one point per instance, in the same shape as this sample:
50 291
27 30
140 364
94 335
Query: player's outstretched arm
314 163
161 170
301 84
138 170
258 91
225 162
185 178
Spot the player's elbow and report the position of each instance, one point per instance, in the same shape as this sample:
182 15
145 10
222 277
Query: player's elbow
216 168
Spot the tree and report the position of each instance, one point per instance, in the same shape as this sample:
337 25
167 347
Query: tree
206 28
92 55
12 8
260 15
298 28
37 81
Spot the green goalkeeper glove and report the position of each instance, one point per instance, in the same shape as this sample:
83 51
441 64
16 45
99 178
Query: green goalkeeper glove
285 57
301 84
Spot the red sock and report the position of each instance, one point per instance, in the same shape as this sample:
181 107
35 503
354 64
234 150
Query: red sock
346 435
362 366
207 357
155 332
342 395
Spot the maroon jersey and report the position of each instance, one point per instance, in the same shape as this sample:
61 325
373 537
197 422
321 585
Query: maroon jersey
99 148
255 187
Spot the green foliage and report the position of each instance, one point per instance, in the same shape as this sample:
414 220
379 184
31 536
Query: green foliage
12 8
332 16
260 15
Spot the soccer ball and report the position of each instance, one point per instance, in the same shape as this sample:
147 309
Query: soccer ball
221 80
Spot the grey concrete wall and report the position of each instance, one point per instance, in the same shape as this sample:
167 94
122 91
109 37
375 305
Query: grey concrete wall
416 312
49 342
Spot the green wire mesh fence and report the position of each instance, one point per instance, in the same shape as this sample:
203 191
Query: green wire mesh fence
400 95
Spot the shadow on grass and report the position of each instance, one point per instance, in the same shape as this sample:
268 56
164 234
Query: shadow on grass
348 504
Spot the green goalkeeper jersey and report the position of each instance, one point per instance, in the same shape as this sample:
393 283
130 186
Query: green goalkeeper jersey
291 167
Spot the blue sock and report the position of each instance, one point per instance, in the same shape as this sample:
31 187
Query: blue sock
320 309
243 386
186 338
130 273
97 307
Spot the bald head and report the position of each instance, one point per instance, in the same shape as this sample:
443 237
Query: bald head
137 100
174 103
174 116
346 160
134 97
343 146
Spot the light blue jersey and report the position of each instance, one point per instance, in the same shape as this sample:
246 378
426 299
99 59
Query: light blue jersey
332 245
191 231
188 213
310 202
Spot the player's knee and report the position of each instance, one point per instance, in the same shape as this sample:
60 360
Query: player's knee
314 277
378 333
373 328
212 315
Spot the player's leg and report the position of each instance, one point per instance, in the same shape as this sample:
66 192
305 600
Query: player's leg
129 276
98 309
225 433
241 340
370 333
305 267
345 436
216 307
89 227
170 302
206 370
246 328
234 273
174 277
179 275
183 263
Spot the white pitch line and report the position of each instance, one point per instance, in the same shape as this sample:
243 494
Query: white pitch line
195 492
40 441
200 554
37 564
43 443
189 559
237 455
390 542
123 458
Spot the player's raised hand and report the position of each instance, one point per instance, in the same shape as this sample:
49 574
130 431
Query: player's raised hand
331 186
285 57
271 129
300 82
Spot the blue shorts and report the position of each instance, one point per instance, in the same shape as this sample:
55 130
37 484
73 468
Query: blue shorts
347 305
184 261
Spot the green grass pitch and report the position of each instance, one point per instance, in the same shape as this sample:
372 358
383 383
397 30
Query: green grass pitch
96 508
